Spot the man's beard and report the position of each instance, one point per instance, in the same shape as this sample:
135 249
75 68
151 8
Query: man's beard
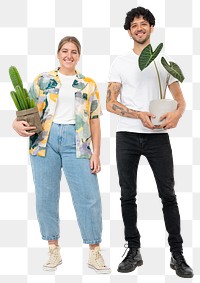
142 41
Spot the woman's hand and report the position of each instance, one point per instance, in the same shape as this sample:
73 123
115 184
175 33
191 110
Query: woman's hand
95 164
21 127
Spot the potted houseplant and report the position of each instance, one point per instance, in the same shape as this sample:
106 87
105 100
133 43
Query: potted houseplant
160 106
27 110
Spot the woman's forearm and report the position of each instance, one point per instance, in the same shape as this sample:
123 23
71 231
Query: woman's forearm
95 135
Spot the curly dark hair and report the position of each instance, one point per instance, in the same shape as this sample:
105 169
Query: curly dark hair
138 12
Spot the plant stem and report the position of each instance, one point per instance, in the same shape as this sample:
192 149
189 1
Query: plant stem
158 80
167 81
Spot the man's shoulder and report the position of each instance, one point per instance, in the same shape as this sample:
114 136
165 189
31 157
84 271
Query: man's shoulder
124 55
120 59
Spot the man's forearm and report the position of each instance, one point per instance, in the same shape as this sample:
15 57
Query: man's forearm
181 106
120 109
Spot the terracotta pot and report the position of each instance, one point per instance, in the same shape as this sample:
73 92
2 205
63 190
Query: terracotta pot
32 117
159 107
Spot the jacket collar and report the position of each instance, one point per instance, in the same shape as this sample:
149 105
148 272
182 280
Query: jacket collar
78 83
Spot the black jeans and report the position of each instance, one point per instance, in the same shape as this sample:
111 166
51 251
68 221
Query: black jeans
157 149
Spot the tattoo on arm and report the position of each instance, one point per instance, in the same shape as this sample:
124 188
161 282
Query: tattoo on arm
124 112
116 107
108 98
112 89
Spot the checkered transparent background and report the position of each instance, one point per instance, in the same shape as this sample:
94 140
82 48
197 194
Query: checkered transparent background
29 32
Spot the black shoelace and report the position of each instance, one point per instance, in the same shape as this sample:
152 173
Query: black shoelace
179 257
131 253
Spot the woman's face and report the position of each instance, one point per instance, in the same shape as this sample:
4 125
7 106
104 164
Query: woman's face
68 56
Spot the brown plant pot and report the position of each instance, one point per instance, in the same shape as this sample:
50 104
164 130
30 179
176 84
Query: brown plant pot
32 117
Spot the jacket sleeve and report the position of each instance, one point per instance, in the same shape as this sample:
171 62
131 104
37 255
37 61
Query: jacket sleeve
34 90
95 108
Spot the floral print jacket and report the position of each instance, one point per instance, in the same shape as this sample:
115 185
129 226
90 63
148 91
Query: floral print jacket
45 91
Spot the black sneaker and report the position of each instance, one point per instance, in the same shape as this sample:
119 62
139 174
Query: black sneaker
179 264
131 261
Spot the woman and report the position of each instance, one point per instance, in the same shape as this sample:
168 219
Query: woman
68 104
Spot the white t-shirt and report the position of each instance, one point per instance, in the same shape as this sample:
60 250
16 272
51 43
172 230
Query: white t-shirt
138 88
64 113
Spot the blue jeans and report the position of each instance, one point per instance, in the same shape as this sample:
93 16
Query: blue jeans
83 185
157 149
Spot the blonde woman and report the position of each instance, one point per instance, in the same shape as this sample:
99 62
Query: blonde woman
69 108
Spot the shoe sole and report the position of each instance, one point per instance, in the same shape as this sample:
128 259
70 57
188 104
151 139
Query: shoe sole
139 263
178 274
100 271
46 268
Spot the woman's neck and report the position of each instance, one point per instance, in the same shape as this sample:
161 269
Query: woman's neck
67 72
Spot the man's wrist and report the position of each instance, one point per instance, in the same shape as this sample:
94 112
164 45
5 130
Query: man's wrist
179 112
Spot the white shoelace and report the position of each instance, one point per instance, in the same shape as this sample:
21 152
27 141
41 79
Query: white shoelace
99 259
53 256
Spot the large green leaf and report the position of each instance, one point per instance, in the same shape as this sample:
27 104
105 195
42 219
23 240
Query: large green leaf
173 69
148 55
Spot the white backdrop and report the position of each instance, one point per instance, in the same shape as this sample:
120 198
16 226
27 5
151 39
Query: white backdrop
30 31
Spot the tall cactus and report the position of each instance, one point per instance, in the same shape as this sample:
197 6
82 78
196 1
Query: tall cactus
20 95
15 77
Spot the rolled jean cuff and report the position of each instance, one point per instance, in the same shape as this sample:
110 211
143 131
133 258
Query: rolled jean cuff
92 242
47 238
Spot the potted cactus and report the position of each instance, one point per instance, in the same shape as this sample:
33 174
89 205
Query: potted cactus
27 110
160 106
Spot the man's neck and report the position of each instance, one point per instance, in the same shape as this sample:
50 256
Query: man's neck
137 49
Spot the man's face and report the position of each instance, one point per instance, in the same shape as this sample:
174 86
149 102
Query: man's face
140 30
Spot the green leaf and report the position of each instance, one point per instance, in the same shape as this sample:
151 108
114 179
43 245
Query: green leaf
173 69
148 55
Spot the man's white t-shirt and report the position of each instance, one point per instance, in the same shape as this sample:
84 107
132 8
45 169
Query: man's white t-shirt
138 88
64 113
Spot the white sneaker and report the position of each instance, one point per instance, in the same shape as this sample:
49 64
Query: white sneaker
54 258
96 261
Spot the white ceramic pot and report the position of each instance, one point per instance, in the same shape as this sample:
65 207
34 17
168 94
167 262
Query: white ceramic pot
159 107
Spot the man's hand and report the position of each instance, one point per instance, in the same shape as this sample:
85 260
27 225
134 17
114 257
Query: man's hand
145 118
171 120
21 127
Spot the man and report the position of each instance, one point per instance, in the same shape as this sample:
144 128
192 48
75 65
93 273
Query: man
136 136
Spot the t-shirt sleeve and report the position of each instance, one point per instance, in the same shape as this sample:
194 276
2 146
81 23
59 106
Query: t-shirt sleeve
114 74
